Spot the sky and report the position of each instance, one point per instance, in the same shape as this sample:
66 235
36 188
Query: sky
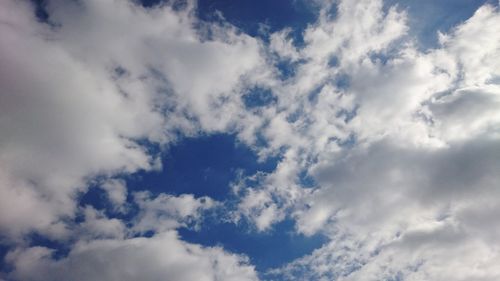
219 140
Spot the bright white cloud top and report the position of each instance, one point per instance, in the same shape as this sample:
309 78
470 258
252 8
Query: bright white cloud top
401 142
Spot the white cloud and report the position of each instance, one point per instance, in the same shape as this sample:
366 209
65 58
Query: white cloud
166 212
111 249
474 46
282 45
117 192
78 94
97 225
466 113
61 121
309 120
401 144
161 257
410 199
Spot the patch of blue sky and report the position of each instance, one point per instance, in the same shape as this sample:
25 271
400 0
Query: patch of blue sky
40 11
97 198
207 166
259 97
427 17
4 249
176 4
258 18
203 166
342 81
266 250
60 249
287 68
334 61
381 58
348 114
349 142
313 95
306 180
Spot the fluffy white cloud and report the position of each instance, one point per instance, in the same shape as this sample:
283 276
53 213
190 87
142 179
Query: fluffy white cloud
312 114
82 93
166 212
413 198
161 257
110 249
474 46
97 225
79 97
117 192
401 146
57 125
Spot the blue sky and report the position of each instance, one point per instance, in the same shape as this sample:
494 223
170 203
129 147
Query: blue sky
249 140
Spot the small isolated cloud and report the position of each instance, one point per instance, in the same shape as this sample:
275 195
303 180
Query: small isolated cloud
166 212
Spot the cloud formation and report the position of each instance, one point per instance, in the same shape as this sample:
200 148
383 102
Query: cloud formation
80 97
390 151
410 199
162 257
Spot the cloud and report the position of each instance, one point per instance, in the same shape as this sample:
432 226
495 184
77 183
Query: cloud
61 122
388 150
82 95
166 212
97 225
113 249
117 192
474 45
421 214
161 257
312 112
403 201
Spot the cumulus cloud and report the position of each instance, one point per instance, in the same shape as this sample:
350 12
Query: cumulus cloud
56 121
314 109
403 201
390 151
80 97
161 257
97 225
117 192
165 212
